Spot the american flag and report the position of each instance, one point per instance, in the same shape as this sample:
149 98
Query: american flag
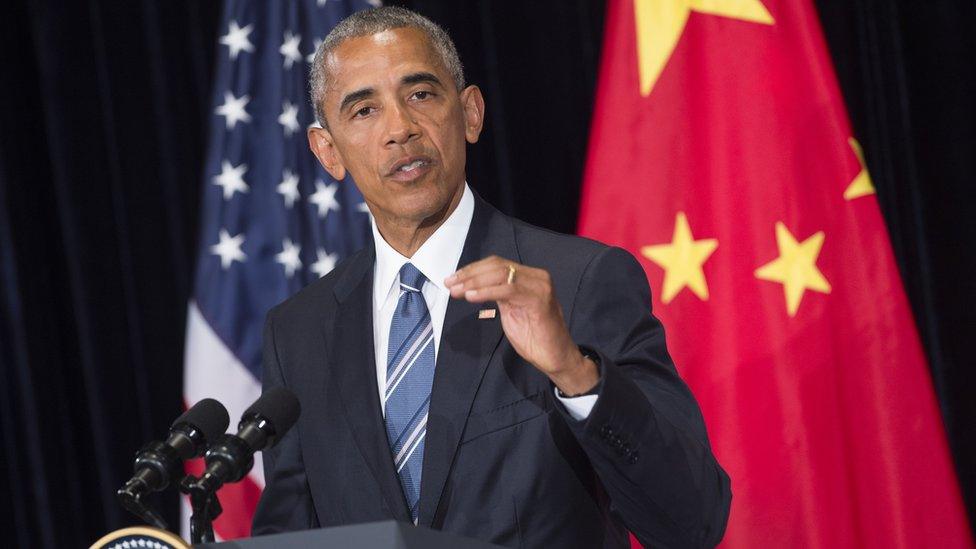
272 219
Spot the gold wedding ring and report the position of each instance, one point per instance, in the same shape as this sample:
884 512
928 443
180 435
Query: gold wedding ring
511 273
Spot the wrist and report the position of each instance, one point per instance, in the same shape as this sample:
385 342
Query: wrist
578 379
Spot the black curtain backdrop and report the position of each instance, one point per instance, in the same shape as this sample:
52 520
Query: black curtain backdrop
102 110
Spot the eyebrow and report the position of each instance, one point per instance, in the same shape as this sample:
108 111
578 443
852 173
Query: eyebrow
419 77
352 97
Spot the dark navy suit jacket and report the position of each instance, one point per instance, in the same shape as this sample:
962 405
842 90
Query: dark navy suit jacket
504 461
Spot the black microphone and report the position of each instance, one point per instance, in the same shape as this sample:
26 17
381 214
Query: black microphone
261 427
158 463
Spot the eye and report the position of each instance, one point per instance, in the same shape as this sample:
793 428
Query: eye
364 111
422 94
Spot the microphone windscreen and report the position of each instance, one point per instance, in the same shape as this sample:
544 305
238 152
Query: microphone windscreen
279 406
208 416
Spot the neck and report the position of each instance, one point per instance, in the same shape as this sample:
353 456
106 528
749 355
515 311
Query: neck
406 236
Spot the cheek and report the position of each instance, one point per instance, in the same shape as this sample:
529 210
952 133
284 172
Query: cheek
357 140
359 156
450 135
455 148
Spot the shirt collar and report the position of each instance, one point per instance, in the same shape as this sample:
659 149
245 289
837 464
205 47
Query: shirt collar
437 257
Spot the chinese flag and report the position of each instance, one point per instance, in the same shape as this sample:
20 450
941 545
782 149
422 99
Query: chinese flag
722 158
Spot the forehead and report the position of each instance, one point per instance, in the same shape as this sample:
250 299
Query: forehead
383 57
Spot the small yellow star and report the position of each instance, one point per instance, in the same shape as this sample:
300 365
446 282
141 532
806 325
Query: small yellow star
861 185
682 260
661 22
796 267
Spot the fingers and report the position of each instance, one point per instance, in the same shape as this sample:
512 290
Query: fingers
522 291
491 271
488 280
478 267
502 293
481 270
482 279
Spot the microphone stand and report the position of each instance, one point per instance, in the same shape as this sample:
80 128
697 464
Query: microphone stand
228 459
131 495
206 508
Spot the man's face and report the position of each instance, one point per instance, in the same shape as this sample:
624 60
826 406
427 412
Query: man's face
397 123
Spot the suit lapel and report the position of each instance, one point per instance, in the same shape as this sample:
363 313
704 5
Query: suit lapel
467 344
354 368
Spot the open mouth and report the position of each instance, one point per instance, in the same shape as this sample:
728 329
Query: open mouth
411 168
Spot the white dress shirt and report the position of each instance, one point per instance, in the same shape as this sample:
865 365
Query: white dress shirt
437 258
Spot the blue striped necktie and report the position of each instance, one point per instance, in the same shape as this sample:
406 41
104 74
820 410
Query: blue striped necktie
409 377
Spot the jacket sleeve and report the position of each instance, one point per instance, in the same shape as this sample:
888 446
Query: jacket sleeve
286 503
645 436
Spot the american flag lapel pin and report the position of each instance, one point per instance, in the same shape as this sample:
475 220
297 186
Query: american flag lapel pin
486 313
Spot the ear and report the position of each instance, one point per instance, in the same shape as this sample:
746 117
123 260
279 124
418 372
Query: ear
323 147
473 104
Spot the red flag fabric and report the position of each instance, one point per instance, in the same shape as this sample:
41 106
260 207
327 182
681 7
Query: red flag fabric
721 156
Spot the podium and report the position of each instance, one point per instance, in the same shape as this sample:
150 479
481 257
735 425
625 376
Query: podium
388 534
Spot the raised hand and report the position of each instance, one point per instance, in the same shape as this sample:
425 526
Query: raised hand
531 318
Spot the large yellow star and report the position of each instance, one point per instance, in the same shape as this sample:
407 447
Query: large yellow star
796 267
682 260
861 185
661 22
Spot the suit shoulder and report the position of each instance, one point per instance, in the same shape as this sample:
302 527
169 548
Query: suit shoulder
545 246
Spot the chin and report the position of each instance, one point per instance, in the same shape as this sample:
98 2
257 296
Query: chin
425 213
425 208
420 200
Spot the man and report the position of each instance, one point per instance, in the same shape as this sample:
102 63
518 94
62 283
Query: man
526 399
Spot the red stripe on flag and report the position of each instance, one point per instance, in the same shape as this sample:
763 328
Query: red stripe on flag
238 500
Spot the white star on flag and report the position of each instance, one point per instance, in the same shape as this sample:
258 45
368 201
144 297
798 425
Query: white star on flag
311 57
288 188
288 257
324 197
374 3
256 113
229 248
324 264
289 49
320 2
231 179
233 109
236 39
289 117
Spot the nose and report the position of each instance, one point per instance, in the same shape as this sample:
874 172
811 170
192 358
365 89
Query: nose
400 125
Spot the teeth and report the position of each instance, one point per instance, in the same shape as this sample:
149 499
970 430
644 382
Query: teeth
412 166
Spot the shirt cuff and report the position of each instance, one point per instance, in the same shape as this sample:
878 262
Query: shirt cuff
579 407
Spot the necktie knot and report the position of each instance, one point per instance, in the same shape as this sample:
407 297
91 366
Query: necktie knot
411 279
